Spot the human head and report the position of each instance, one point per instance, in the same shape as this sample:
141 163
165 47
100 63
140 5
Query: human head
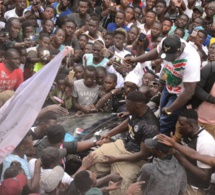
27 29
92 3
182 21
14 27
108 38
59 36
160 7
171 48
23 55
88 48
20 5
156 29
55 135
12 59
44 40
119 38
133 33
69 26
90 76
157 149
51 157
132 82
43 54
83 39
150 17
167 24
145 90
137 12
124 3
147 77
48 26
129 13
13 185
84 181
100 75
201 36
210 9
61 81
120 19
179 32
154 87
14 170
197 12
83 6
211 52
198 22
79 71
49 12
93 25
97 47
110 82
135 102
187 122
150 4
64 3
51 179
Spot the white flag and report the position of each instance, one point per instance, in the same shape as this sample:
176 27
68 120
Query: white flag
19 113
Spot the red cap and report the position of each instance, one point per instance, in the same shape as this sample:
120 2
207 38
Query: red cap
13 186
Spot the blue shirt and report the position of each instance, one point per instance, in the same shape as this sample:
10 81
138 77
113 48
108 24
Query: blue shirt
23 162
88 61
112 27
65 13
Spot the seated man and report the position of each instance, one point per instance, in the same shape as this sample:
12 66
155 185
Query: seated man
164 175
124 156
85 91
197 138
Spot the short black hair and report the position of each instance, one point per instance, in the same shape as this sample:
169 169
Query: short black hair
90 69
109 33
60 76
82 181
44 21
136 96
121 12
152 11
189 114
42 35
95 18
83 35
67 20
86 1
9 23
8 52
134 26
203 32
99 42
55 134
101 68
168 19
13 170
50 6
181 29
112 76
58 30
184 15
26 24
161 1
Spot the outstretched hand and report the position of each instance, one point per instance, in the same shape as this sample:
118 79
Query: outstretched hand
169 141
134 188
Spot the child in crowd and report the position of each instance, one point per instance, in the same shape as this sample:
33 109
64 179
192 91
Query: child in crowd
62 93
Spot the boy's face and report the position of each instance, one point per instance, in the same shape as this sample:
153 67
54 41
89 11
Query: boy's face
48 13
48 27
166 26
108 40
137 13
120 19
150 4
69 28
154 88
82 41
179 33
97 51
156 30
160 8
45 42
88 48
100 76
89 78
129 12
79 72
61 84
109 84
147 77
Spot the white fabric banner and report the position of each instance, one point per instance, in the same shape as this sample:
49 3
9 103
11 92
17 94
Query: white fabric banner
19 113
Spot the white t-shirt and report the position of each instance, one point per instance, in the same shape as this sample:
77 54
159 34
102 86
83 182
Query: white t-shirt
186 68
93 41
9 14
143 30
66 178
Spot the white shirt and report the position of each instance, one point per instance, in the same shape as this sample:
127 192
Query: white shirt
9 14
143 30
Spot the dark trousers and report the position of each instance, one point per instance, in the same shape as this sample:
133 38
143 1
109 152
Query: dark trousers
168 122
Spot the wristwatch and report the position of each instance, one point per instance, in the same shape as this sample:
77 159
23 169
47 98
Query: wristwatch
94 143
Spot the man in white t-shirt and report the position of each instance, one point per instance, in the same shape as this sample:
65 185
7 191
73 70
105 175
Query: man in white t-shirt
181 71
197 138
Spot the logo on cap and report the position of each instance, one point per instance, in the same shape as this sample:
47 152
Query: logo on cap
166 48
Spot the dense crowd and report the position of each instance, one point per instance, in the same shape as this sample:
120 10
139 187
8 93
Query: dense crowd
151 62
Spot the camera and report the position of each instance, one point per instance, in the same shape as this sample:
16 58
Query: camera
35 3
142 37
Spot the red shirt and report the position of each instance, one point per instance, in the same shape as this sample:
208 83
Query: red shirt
10 80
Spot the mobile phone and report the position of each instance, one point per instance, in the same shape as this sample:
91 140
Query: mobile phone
58 99
194 33
142 37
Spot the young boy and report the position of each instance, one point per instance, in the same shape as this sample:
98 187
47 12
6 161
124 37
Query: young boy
62 93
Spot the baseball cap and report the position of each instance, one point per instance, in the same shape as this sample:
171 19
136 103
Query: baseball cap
55 134
51 178
170 46
132 77
153 143
121 31
199 8
50 154
13 186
